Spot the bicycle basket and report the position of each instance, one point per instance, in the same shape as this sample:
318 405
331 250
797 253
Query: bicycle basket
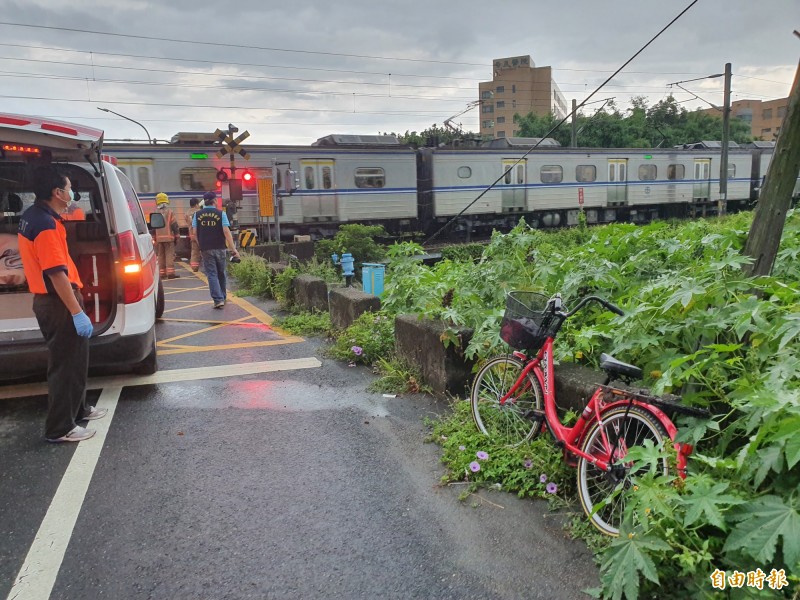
525 324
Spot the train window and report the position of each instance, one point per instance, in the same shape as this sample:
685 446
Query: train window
507 176
308 176
198 179
585 173
551 174
520 173
676 172
370 177
731 170
144 179
647 172
327 178
464 172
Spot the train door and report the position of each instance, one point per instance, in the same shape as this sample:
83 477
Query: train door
140 172
319 199
702 179
513 185
617 181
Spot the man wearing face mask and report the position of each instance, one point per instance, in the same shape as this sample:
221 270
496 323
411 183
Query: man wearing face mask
53 279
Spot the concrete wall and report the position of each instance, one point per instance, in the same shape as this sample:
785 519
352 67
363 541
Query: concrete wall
310 292
347 304
419 343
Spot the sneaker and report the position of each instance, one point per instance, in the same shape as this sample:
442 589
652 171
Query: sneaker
94 413
219 303
76 435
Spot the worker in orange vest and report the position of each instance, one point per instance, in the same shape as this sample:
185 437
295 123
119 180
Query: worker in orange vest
166 238
194 260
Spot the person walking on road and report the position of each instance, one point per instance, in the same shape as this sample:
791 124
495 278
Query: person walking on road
166 238
194 259
55 283
213 233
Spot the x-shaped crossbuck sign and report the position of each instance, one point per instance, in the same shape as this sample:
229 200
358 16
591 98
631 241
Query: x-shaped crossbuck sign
231 145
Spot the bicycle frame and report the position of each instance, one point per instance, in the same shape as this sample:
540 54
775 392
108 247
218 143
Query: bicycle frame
571 437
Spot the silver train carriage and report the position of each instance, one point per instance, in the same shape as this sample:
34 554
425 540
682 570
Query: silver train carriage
376 180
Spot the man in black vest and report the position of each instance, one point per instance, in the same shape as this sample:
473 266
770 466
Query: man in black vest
213 234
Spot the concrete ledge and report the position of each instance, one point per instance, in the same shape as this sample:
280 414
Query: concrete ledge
575 384
419 343
347 304
271 252
304 251
310 292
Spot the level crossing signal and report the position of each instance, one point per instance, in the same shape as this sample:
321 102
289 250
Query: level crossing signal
231 145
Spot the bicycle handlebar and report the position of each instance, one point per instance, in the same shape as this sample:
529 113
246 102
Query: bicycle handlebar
608 305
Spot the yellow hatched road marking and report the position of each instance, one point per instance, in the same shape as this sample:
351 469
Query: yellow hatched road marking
203 303
188 349
204 330
180 290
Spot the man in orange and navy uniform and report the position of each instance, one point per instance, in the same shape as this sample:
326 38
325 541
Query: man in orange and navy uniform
166 238
53 279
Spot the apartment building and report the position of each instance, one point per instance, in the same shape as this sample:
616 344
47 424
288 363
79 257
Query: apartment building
518 86
764 117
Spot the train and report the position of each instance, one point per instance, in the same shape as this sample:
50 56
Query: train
376 179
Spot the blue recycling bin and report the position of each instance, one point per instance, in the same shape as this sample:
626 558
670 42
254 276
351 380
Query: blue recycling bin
372 275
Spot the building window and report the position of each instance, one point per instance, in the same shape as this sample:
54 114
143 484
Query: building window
487 108
551 174
781 112
500 89
487 124
766 131
586 173
513 104
486 94
513 88
464 172
514 62
766 114
647 172
501 134
676 172
501 119
501 104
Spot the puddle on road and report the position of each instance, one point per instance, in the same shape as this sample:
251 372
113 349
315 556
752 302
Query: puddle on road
269 395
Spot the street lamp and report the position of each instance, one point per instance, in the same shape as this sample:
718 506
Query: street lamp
149 140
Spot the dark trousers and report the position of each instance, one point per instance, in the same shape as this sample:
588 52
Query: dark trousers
67 364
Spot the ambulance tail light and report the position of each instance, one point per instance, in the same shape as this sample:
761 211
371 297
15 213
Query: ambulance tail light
133 276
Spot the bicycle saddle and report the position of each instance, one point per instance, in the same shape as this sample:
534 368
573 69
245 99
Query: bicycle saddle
611 365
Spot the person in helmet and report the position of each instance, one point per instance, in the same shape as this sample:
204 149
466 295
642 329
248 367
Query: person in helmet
166 238
194 260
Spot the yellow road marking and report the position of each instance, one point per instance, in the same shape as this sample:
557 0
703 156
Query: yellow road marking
209 321
199 331
203 303
180 290
287 340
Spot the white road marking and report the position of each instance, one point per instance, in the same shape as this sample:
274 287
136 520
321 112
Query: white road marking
170 376
38 574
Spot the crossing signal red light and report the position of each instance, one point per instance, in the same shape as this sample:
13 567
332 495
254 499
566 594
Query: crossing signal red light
222 175
247 176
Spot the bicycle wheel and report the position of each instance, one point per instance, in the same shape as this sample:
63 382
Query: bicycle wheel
596 486
513 422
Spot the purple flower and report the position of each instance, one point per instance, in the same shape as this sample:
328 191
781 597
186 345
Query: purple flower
528 464
481 455
357 350
551 488
462 448
474 466
542 477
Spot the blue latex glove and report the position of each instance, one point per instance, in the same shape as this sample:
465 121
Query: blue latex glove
82 324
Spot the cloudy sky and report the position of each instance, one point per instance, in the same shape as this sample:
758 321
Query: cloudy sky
293 71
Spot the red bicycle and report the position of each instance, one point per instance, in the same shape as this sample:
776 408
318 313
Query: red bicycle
508 404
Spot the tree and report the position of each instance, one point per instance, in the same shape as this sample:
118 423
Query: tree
434 134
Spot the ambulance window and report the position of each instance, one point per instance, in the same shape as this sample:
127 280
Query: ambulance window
133 204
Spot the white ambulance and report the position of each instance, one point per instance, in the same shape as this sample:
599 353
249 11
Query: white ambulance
108 237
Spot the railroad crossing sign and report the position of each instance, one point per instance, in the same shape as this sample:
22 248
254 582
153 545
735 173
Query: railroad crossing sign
231 145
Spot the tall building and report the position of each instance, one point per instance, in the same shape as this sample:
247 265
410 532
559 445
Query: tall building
764 117
518 86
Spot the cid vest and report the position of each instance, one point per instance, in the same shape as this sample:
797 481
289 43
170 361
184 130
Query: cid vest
210 235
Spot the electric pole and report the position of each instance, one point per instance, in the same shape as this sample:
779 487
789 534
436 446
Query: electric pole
726 134
573 142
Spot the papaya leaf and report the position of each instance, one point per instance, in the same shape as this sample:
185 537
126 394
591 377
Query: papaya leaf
627 557
705 500
762 522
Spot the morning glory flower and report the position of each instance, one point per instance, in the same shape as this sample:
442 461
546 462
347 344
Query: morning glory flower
357 350
474 466
481 455
543 478
462 448
551 488
528 464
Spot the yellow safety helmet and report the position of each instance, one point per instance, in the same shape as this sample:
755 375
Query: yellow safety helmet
162 198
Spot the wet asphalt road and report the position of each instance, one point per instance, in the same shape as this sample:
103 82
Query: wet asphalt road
284 484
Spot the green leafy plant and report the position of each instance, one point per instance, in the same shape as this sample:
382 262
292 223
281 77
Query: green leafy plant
397 377
306 323
369 339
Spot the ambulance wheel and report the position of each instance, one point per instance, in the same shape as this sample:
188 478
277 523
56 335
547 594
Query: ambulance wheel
160 300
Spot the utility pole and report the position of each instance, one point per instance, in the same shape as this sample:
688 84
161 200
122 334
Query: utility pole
573 142
776 194
231 204
726 133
